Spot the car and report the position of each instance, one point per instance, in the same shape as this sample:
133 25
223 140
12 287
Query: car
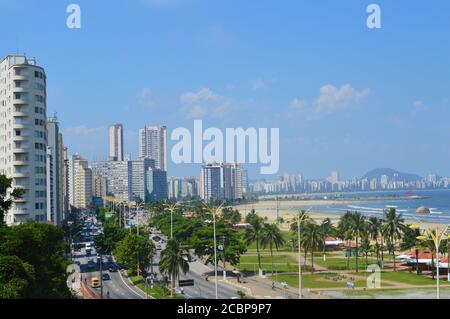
158 247
112 268
106 277
95 282
156 238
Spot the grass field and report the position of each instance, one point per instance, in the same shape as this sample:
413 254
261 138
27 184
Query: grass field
157 292
319 281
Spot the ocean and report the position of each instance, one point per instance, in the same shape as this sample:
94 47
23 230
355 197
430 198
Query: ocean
438 201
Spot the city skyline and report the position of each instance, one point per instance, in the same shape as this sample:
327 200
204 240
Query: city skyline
311 89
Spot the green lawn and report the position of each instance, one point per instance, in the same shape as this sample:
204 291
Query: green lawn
411 278
157 292
319 281
282 263
340 263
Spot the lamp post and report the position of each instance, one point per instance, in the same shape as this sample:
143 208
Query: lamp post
171 208
300 218
436 234
214 210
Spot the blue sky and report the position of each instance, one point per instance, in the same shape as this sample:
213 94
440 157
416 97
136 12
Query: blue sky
344 97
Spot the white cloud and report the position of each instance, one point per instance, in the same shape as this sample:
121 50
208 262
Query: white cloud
83 130
298 104
204 103
333 99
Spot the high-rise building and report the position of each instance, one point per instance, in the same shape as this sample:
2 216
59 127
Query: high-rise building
80 180
55 205
23 135
99 186
211 183
334 177
116 142
153 144
175 188
156 187
118 175
138 178
221 182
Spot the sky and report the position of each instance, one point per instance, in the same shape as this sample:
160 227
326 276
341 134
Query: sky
345 97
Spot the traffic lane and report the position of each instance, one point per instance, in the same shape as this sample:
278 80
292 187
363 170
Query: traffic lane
206 289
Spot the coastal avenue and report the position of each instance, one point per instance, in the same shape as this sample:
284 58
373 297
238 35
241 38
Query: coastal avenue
118 287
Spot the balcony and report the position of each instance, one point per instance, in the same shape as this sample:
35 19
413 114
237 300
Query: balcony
20 162
20 113
21 174
20 77
21 211
21 150
20 101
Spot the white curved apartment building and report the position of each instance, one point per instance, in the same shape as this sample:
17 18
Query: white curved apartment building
23 135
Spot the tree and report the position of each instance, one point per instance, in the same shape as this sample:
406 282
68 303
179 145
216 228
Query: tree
366 247
7 195
135 251
410 241
393 229
41 246
327 229
345 231
358 227
374 230
112 234
254 232
173 259
311 239
271 237
16 278
202 241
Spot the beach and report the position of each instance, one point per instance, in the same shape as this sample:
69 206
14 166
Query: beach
320 210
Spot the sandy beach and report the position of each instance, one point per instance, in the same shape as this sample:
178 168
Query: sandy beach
286 210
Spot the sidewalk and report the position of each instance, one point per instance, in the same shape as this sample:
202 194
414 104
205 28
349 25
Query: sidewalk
74 280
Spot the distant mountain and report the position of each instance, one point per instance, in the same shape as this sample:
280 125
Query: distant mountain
392 174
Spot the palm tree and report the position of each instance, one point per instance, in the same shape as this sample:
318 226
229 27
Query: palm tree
327 229
311 240
366 246
253 234
358 228
410 241
173 259
374 230
345 232
393 228
271 236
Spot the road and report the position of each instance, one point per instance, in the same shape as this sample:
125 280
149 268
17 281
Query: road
202 289
118 287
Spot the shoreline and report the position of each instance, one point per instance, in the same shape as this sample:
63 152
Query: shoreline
285 208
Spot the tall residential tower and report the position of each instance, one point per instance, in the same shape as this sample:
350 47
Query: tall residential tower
153 144
116 142
23 135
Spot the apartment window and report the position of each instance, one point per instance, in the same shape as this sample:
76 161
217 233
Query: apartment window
36 74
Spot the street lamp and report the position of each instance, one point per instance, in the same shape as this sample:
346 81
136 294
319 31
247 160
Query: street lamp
171 208
436 235
300 218
214 210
